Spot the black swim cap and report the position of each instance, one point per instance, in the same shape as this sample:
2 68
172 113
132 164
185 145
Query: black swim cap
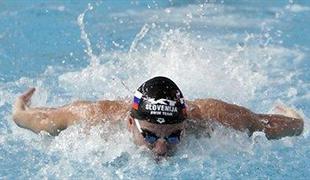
159 101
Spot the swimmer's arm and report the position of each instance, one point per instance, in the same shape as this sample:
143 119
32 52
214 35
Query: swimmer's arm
240 118
53 120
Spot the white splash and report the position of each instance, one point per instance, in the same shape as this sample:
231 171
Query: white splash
80 20
296 8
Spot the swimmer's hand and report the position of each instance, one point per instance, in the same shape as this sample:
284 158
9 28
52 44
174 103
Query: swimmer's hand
283 122
23 101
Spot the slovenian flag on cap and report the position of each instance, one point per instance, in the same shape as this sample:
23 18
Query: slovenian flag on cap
136 100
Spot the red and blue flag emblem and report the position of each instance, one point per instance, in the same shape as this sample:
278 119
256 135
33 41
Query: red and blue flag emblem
136 100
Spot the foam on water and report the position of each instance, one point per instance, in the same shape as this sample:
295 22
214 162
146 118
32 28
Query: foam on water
297 8
249 68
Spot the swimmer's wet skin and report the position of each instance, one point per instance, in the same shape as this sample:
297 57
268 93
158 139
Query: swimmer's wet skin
158 116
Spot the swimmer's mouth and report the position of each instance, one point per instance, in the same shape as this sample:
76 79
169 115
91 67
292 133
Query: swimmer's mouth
159 158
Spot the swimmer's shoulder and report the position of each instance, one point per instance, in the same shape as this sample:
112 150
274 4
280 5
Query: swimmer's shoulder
115 106
104 103
103 107
115 103
204 109
197 123
203 104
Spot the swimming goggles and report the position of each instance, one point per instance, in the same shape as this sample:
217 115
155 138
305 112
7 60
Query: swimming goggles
151 137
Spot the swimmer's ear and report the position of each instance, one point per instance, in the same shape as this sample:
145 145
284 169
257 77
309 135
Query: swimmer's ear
130 123
130 120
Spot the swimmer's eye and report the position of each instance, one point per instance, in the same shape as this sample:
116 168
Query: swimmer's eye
174 138
151 137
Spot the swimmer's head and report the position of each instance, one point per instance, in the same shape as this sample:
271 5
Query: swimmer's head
159 101
157 115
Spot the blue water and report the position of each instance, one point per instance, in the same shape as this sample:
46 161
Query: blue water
253 53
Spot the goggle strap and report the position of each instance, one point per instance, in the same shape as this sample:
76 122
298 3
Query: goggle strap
138 125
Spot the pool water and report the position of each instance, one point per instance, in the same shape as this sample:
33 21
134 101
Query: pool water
252 53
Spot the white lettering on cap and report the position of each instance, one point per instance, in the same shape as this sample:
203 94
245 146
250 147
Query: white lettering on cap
156 107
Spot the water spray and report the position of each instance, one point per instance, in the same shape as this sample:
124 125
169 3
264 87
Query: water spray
94 61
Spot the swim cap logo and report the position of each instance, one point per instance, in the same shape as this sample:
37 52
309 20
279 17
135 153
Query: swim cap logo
160 120
162 101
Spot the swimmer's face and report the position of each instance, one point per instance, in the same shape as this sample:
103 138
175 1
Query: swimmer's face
167 136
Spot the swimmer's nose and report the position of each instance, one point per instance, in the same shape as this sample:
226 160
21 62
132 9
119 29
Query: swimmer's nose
160 148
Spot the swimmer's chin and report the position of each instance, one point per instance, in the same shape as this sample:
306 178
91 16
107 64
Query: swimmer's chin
160 158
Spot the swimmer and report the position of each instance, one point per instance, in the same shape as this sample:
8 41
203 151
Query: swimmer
157 117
